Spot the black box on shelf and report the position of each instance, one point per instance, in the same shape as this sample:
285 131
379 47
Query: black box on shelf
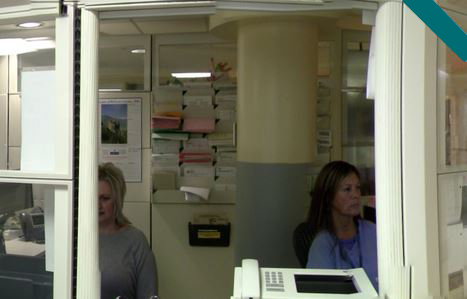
209 234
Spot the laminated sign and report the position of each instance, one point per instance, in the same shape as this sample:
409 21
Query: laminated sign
441 24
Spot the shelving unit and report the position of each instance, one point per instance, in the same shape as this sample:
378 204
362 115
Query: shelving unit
197 147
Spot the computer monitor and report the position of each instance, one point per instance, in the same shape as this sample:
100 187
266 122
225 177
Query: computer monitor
14 197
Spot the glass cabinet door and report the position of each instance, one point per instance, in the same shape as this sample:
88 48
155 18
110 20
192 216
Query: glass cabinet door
452 104
35 99
357 111
452 160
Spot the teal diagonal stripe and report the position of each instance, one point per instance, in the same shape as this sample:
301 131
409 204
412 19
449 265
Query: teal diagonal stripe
441 24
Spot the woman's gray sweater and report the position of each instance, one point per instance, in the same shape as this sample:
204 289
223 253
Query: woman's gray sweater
127 265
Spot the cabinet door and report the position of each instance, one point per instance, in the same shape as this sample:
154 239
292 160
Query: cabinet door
3 131
139 215
190 272
452 110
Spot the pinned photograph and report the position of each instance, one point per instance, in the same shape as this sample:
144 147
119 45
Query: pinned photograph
114 122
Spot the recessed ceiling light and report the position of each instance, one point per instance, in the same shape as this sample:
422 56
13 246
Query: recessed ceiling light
138 51
30 25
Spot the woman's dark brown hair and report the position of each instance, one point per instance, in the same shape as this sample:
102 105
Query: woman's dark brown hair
327 182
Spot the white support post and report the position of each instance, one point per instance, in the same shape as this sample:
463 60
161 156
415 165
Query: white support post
88 283
394 277
419 165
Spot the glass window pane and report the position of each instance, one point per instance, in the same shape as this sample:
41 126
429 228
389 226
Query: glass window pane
124 63
26 235
35 136
358 119
452 76
212 58
43 59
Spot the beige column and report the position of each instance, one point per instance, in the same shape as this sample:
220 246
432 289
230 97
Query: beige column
277 62
88 281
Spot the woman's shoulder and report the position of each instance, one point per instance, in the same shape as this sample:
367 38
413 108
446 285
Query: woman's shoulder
366 225
133 232
323 238
367 230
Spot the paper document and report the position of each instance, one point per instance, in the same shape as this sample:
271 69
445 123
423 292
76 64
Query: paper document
196 145
165 122
204 125
228 171
167 109
197 100
163 146
168 95
198 170
196 157
170 136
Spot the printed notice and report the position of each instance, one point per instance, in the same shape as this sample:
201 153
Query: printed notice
120 135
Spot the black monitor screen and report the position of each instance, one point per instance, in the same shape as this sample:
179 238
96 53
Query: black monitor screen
14 197
37 219
325 284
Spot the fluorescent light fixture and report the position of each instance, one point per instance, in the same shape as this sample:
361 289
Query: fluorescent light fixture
109 89
42 44
138 51
12 46
30 25
191 75
15 46
33 39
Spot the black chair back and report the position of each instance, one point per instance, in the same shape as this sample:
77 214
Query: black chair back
302 242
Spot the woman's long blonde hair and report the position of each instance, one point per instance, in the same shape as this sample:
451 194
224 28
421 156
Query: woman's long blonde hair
113 176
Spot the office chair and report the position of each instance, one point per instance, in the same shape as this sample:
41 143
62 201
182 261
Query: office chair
301 243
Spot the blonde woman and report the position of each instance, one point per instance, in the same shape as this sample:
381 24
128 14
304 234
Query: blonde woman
128 268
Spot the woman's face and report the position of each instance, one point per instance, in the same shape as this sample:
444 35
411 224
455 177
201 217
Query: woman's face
347 198
106 204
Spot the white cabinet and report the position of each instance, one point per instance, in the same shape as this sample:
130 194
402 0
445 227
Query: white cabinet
139 214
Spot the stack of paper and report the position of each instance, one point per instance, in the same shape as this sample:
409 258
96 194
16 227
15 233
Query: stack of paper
198 170
220 139
168 95
226 158
202 125
165 122
187 157
226 94
226 171
164 180
224 85
194 84
196 145
200 94
170 135
167 109
226 149
165 163
163 146
226 111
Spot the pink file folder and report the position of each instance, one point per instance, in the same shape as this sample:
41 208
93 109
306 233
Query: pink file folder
199 125
165 122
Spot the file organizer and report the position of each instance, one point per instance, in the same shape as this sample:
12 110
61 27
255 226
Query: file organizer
209 234
206 153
